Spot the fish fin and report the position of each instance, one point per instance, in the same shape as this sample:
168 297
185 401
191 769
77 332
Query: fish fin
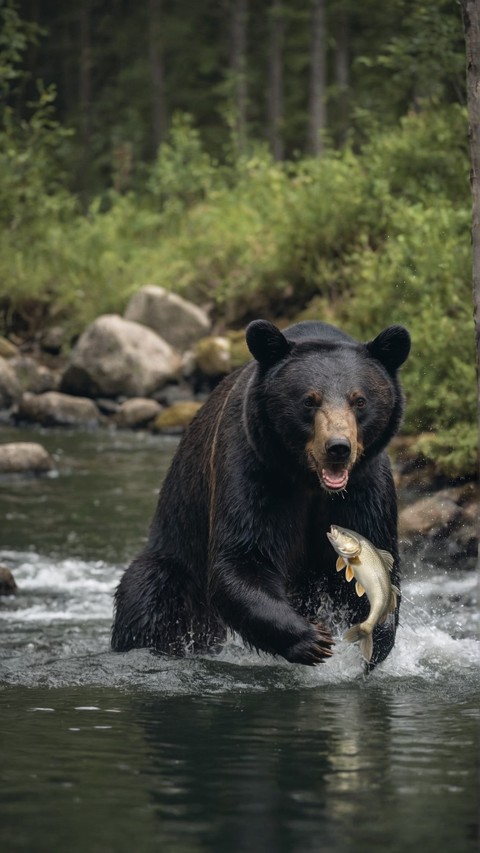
392 604
359 589
349 574
340 564
354 634
386 558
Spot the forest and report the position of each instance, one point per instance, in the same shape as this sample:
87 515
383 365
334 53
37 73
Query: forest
284 159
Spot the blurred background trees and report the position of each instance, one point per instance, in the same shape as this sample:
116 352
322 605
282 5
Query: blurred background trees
286 159
301 76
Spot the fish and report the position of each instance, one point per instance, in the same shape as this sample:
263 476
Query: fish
371 568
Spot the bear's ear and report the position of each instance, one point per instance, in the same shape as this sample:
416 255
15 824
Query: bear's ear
266 342
391 347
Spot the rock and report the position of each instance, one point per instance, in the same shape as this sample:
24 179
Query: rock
239 352
32 376
115 357
173 393
7 582
7 349
176 417
137 412
212 356
10 390
431 516
177 321
107 406
53 339
22 457
56 409
442 529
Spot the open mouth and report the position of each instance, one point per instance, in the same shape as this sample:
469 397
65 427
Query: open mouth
334 478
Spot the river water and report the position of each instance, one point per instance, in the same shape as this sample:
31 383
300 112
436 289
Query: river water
229 752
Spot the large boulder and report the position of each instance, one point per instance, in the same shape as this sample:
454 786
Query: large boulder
56 409
117 357
22 457
179 322
10 390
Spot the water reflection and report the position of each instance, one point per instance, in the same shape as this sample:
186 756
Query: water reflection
295 772
229 753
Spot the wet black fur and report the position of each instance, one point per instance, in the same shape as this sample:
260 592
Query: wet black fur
239 535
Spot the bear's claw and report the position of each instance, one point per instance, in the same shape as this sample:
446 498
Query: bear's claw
314 649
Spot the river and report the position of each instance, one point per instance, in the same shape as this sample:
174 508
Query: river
231 752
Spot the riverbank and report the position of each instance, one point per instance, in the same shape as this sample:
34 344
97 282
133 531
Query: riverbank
151 370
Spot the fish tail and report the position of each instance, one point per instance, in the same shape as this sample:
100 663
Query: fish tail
361 633
366 647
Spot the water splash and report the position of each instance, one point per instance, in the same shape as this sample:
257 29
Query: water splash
57 633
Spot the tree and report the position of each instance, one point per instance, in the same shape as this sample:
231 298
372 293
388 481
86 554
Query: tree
275 79
85 76
342 68
238 65
471 23
159 120
318 75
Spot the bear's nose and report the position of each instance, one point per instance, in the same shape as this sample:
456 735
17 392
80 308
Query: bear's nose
338 449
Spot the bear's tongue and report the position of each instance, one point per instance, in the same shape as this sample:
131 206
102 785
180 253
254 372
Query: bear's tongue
335 479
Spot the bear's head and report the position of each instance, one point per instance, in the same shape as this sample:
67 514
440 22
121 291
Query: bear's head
328 401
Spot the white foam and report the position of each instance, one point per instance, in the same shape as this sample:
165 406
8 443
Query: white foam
437 635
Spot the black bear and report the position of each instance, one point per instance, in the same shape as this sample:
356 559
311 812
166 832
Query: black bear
287 445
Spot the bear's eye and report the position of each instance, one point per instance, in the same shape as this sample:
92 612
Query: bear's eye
312 400
359 402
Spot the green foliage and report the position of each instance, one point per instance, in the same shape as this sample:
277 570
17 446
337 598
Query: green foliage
15 36
183 173
420 277
365 239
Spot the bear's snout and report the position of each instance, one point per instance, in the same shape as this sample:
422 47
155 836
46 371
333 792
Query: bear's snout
338 449
334 447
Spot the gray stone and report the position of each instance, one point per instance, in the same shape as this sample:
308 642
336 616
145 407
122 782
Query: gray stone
176 320
117 357
435 515
32 376
7 582
21 457
10 390
52 340
56 409
137 412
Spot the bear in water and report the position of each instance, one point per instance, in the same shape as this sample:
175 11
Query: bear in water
287 445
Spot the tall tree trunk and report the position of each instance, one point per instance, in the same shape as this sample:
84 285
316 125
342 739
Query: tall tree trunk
159 119
238 66
471 24
85 99
342 69
318 78
275 80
